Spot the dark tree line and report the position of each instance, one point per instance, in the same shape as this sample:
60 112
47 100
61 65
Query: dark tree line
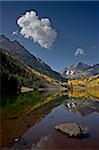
9 84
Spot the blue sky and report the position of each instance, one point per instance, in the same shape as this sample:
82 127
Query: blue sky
76 24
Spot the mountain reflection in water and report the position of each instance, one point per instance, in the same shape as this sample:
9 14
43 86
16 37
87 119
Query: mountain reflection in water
38 124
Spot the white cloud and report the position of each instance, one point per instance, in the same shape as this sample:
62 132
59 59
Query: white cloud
15 32
40 30
79 51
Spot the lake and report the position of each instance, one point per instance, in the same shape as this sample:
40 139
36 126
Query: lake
28 120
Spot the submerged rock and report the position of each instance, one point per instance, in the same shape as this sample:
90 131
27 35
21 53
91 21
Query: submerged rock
72 129
17 139
20 141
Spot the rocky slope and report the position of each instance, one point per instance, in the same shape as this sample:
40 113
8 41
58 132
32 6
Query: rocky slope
80 70
20 53
15 74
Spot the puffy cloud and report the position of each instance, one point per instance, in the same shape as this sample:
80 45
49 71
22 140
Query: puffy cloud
15 32
40 30
79 51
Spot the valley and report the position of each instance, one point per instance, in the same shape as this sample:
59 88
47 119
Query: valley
49 75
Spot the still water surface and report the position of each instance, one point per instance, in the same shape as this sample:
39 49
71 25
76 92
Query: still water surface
34 127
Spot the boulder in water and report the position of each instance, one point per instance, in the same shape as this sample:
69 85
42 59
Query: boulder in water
72 129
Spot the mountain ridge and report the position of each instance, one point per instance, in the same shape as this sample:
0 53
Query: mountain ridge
80 69
22 54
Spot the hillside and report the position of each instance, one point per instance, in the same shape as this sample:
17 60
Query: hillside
20 53
12 69
90 82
